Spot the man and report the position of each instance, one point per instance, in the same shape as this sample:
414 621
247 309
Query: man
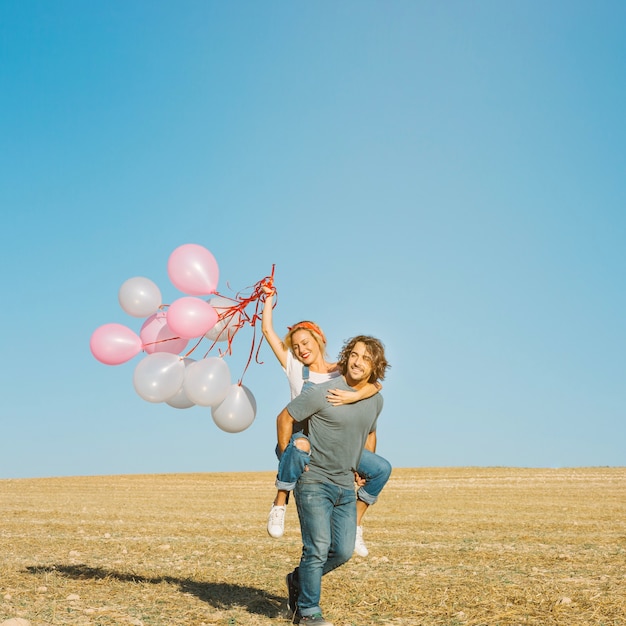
325 494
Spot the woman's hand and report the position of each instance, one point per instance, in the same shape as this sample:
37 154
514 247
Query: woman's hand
268 288
337 397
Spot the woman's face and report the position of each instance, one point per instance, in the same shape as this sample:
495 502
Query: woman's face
305 347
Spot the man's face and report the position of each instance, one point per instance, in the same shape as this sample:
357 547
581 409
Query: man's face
360 365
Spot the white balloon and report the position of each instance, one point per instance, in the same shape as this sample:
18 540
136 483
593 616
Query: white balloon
237 411
207 381
180 400
159 376
227 325
139 297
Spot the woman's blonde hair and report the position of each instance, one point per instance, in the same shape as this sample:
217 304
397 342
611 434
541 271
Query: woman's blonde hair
314 330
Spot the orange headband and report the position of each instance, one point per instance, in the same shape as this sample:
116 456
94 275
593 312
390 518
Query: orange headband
308 326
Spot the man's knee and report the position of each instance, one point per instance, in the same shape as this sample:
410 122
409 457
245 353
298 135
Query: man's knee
345 553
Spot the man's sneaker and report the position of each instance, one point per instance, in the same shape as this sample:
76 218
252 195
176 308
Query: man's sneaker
276 521
293 590
359 545
316 619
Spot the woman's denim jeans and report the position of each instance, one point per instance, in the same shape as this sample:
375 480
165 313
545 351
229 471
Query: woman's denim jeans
376 472
327 515
375 469
291 464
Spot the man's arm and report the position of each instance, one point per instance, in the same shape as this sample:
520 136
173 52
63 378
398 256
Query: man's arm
284 429
370 442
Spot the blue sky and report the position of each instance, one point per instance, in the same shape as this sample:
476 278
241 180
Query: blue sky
447 176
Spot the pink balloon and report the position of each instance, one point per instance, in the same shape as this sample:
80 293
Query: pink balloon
193 270
157 336
113 344
191 317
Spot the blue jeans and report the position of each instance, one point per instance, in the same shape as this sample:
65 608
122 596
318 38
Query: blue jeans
328 524
375 469
376 472
291 464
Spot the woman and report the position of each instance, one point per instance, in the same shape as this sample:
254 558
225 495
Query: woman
302 355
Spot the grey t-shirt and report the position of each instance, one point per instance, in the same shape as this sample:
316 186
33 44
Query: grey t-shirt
337 433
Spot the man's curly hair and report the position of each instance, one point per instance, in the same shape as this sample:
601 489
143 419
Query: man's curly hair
376 351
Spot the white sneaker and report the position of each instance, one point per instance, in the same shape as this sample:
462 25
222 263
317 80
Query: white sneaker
359 545
276 521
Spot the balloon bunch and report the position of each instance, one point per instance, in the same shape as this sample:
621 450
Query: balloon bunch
167 373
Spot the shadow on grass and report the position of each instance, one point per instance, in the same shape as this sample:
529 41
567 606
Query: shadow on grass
221 596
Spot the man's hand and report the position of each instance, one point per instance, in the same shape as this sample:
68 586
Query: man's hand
359 480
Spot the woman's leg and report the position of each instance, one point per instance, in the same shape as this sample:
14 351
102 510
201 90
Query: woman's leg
376 471
292 462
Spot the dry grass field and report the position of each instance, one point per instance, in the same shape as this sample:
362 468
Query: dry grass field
448 547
